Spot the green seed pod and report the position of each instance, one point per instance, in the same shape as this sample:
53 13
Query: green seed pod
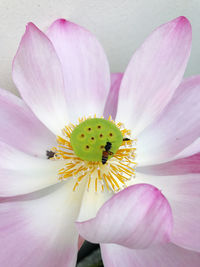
90 137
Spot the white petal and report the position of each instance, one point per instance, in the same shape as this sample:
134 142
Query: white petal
37 74
39 230
154 72
85 68
21 173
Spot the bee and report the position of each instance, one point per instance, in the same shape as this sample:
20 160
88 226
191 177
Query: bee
106 152
50 154
126 139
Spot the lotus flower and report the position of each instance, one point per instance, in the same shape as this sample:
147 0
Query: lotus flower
70 146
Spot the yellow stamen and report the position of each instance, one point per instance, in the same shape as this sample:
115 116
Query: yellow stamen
111 176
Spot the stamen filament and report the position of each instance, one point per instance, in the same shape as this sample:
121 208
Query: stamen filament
112 176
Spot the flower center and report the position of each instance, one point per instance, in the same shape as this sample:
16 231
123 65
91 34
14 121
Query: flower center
98 150
96 139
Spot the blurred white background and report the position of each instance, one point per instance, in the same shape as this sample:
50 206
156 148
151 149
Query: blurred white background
120 25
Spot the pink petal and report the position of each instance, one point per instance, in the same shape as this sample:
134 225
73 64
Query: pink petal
182 192
21 129
85 68
39 230
136 217
175 129
190 164
190 150
21 173
153 74
80 241
37 74
167 255
112 100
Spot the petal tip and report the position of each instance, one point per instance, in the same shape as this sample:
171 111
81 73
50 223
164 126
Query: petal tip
182 21
30 26
31 30
61 22
180 24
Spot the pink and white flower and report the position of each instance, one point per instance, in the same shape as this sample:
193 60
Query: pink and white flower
64 75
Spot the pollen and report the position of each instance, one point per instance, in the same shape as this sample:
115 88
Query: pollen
97 151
